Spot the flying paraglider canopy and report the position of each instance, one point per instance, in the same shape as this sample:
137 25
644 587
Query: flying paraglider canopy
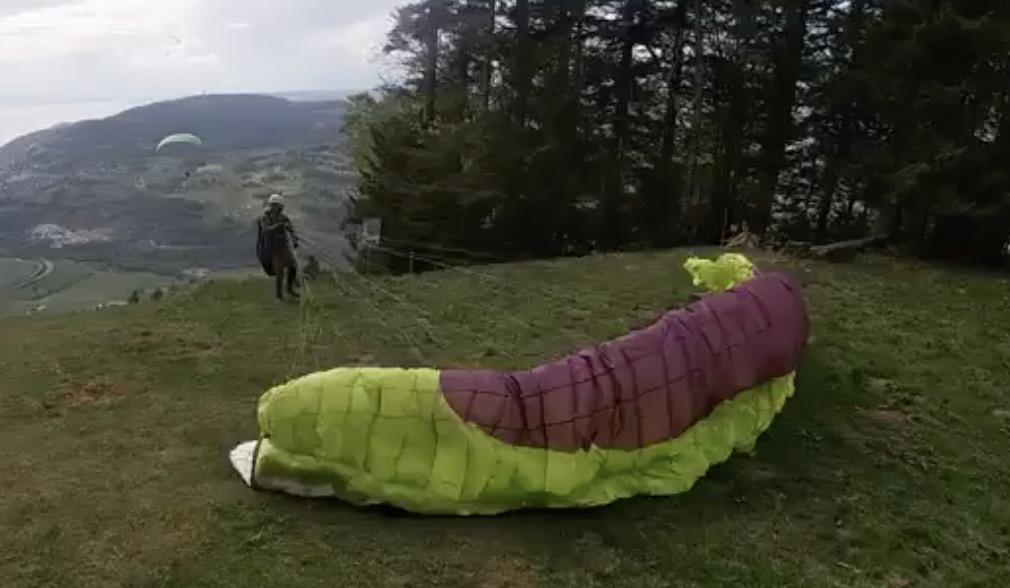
187 138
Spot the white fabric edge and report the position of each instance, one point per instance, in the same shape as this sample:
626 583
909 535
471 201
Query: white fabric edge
242 457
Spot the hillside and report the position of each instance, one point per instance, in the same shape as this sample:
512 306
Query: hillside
225 123
890 467
97 190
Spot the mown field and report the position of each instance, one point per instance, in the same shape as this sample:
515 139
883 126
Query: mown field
28 286
14 272
889 468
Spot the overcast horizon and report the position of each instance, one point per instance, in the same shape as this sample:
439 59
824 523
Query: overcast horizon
85 59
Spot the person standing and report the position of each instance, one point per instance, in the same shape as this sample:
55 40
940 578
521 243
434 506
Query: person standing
277 241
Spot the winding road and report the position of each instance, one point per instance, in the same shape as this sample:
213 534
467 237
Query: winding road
43 268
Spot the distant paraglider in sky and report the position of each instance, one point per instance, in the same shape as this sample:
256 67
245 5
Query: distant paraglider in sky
185 145
179 138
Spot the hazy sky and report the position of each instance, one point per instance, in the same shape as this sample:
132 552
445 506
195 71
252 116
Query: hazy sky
65 60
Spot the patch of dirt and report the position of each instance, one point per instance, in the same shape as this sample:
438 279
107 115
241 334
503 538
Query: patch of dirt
890 417
172 455
757 473
507 571
198 347
877 384
99 391
491 565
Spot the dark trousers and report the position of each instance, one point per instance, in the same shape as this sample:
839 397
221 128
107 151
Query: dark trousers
292 276
286 269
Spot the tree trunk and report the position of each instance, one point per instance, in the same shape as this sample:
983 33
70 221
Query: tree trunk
523 67
830 179
729 160
663 214
431 31
563 69
691 189
843 147
613 198
488 44
569 77
781 103
578 58
465 50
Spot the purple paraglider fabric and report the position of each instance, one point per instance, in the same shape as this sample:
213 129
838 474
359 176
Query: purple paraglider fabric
648 386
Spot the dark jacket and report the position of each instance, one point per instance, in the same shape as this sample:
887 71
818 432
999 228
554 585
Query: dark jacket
275 237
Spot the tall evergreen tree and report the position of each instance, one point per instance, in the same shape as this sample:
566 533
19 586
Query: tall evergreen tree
549 127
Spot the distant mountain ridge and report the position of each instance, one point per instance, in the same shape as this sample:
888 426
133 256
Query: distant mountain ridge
102 183
225 122
315 95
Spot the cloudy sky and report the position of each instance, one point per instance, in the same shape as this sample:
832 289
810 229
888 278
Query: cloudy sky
65 60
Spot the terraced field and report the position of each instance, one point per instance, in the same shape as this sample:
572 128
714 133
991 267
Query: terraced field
28 286
15 273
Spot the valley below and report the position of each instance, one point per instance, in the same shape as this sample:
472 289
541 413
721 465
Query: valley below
97 198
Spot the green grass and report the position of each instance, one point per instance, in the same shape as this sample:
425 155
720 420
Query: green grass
14 271
104 286
70 286
889 468
65 274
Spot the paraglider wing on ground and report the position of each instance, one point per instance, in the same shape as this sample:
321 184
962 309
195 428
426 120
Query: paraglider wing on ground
647 413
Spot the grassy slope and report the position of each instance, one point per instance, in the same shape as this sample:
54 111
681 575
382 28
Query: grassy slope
891 467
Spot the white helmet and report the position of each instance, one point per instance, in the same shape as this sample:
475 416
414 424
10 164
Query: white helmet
275 199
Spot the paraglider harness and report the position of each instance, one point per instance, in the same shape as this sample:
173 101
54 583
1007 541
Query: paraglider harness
266 245
263 252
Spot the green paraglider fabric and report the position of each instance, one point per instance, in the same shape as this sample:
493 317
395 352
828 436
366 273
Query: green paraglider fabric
388 435
392 439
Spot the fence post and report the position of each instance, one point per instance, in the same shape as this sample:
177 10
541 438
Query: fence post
411 266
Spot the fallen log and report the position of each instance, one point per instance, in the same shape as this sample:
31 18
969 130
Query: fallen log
845 250
796 248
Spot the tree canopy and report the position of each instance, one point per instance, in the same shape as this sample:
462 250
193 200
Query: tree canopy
551 127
